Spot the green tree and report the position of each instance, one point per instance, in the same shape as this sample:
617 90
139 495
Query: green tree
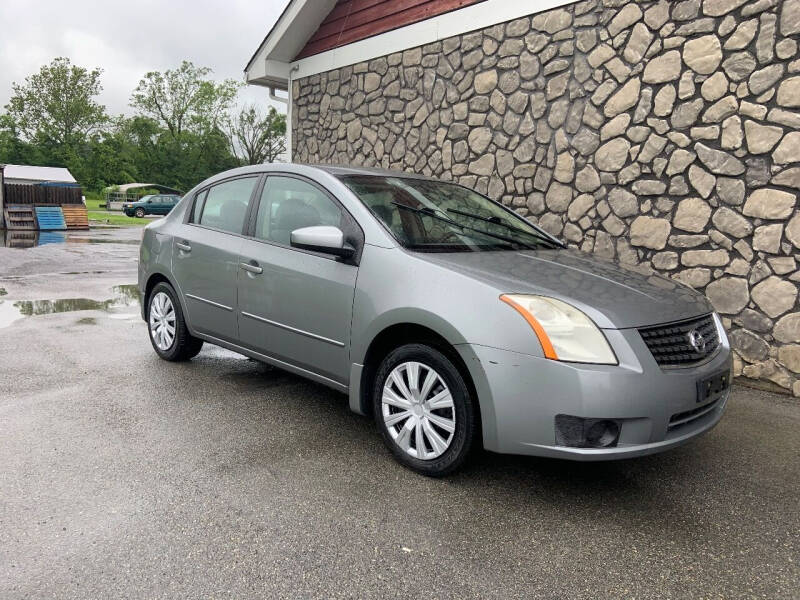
255 137
104 158
57 105
178 127
178 136
184 99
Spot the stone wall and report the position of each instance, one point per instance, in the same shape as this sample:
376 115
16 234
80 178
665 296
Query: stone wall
662 133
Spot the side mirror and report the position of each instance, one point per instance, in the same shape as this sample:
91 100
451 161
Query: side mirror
322 238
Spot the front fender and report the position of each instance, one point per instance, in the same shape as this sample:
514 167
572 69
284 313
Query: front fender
403 316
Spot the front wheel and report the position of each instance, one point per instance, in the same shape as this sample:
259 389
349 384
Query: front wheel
139 212
424 410
168 332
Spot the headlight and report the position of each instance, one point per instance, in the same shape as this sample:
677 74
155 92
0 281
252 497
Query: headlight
564 332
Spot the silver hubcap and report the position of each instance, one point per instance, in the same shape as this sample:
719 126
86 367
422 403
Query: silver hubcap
162 321
418 410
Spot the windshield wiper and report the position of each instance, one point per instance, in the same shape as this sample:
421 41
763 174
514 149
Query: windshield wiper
498 221
431 213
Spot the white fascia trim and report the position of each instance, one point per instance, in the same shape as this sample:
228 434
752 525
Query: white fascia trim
276 34
470 18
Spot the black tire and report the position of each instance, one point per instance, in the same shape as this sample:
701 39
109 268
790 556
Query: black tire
139 212
464 409
184 345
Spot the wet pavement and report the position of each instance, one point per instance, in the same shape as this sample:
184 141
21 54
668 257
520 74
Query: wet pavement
126 476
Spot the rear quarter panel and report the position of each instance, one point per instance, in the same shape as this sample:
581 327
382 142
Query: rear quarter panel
155 253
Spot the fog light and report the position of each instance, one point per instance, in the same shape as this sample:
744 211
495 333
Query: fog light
578 432
602 434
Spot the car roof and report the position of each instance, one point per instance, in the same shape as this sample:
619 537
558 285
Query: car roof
340 170
311 169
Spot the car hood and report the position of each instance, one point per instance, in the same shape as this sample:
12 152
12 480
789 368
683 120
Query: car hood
613 294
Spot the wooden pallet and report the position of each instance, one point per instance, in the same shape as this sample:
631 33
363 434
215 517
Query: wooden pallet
20 216
50 218
76 216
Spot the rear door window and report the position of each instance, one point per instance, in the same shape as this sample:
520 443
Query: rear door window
225 205
197 206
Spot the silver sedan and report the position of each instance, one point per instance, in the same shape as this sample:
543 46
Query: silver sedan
449 318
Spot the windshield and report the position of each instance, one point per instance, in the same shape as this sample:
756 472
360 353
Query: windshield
436 216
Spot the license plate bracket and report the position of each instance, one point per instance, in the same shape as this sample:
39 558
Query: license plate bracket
711 388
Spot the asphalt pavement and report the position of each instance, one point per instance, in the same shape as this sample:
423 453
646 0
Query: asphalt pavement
124 476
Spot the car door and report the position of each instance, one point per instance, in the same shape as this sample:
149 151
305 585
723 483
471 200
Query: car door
296 305
205 256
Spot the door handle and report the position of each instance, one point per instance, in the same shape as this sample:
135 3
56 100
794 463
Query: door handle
183 246
250 268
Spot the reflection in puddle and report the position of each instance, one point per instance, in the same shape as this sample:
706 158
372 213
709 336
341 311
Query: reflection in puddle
123 296
30 239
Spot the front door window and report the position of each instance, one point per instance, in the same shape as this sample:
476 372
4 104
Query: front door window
288 204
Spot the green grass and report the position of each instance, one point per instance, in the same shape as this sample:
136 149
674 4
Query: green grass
100 215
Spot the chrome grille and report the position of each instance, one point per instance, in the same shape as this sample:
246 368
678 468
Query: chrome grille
671 346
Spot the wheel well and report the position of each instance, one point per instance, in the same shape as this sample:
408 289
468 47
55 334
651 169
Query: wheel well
154 280
398 335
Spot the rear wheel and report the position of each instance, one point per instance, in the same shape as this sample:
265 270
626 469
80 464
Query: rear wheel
168 332
424 410
139 212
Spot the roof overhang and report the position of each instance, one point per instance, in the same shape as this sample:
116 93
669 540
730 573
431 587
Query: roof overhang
269 66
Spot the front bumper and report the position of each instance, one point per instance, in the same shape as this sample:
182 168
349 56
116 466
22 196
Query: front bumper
520 396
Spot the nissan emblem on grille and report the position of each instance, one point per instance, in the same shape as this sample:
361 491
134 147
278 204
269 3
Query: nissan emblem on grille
697 341
682 343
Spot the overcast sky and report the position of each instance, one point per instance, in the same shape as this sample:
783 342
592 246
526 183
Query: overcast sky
129 38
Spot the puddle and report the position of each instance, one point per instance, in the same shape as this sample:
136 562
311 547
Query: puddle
83 272
124 296
74 240
125 316
31 239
